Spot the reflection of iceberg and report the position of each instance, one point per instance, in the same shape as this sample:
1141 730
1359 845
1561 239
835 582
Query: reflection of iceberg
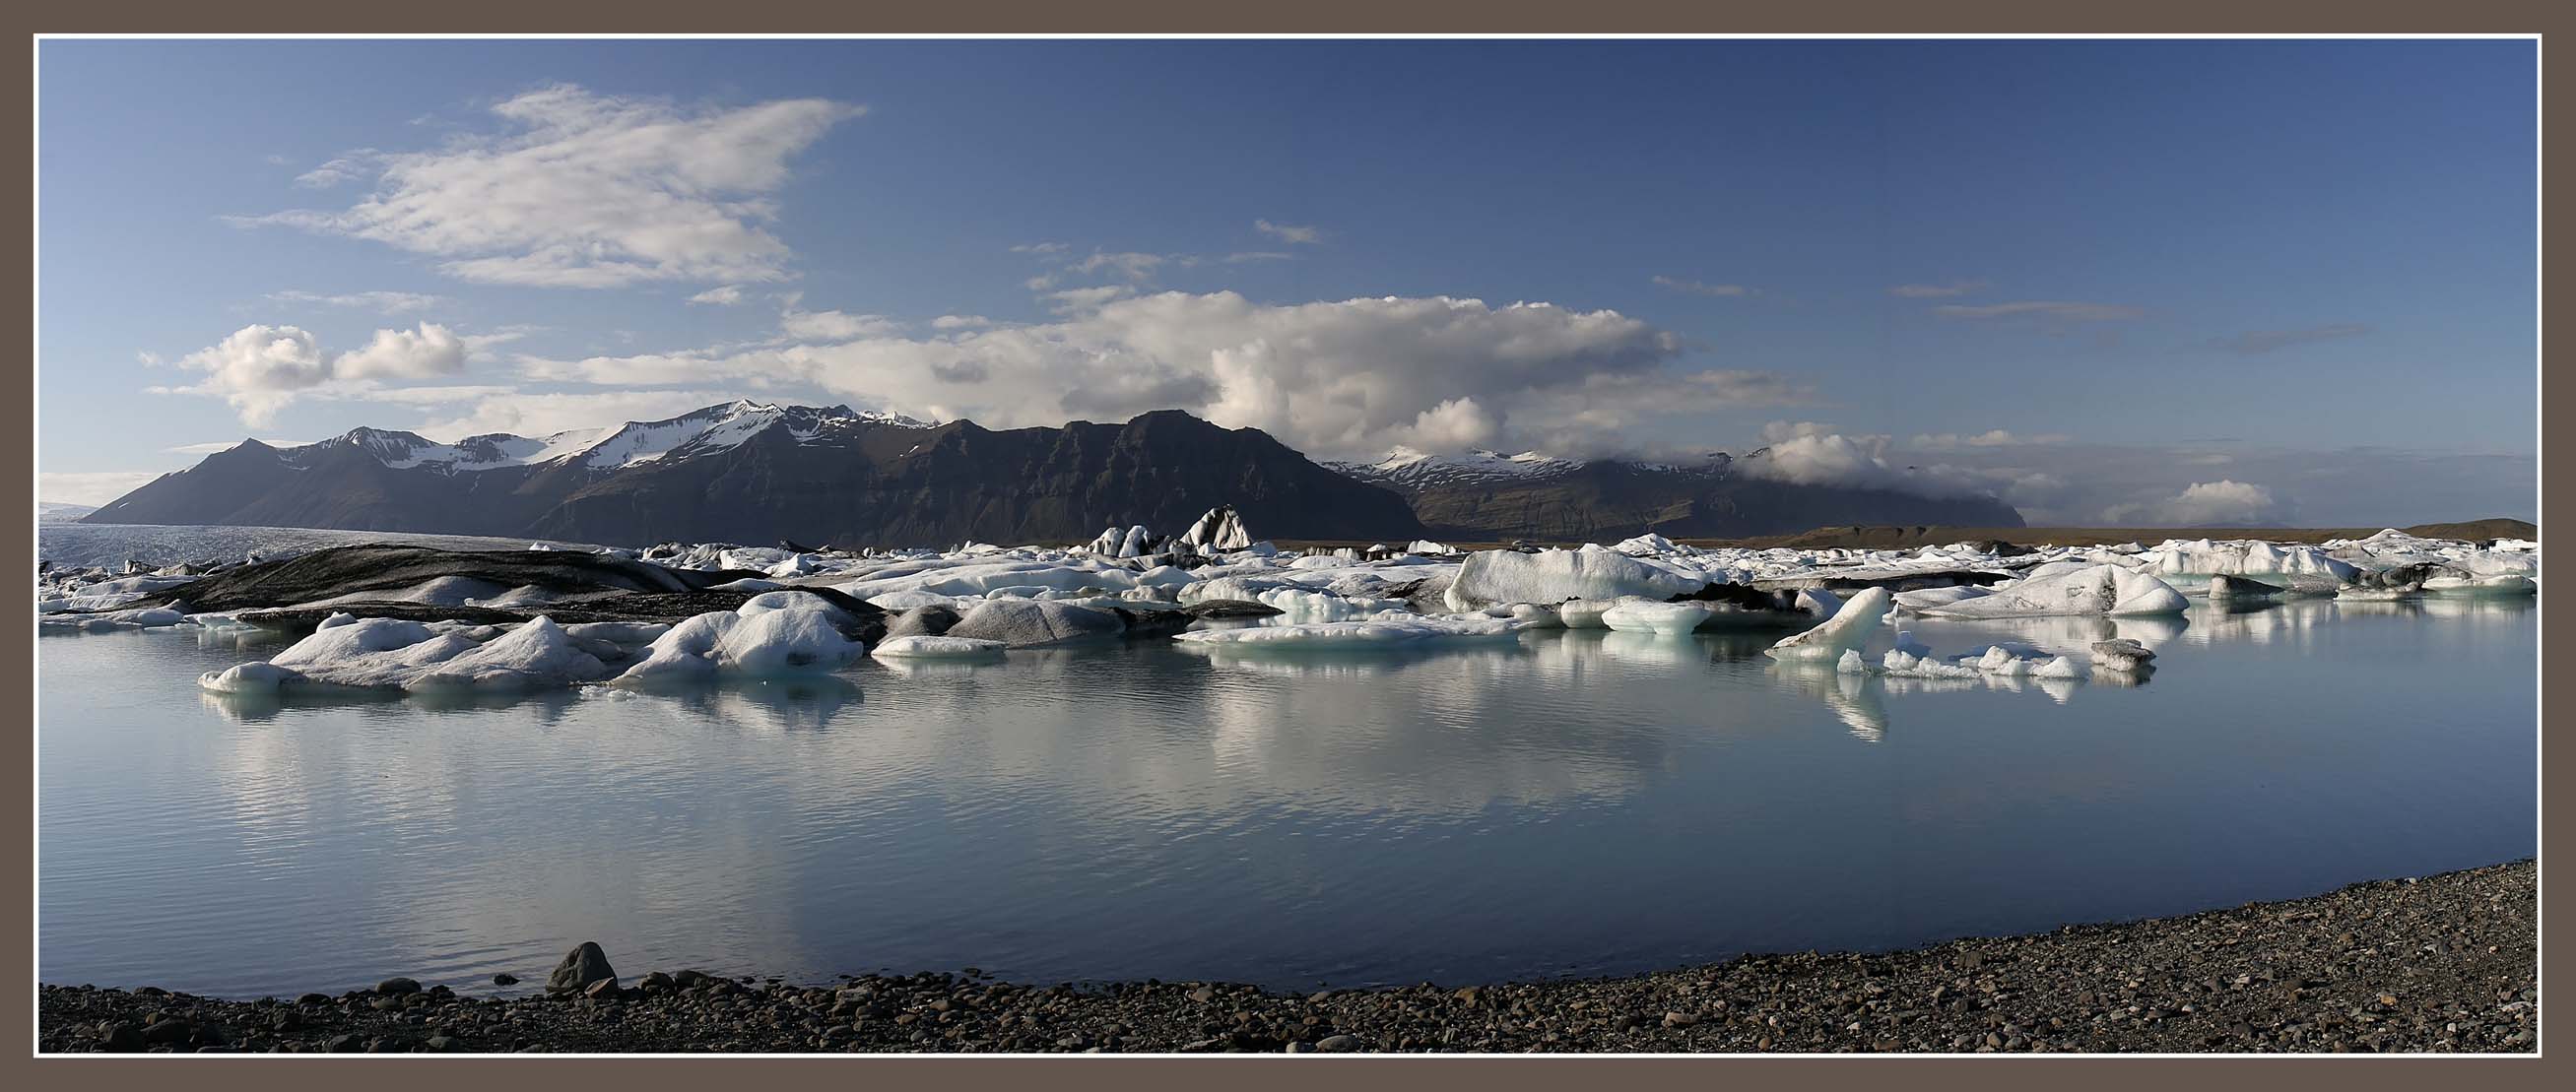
1670 649
1343 660
1856 700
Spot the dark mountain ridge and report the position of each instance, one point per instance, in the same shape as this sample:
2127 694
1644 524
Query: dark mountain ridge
757 473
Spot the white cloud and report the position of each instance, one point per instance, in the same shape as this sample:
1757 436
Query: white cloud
2055 309
1810 453
591 191
1290 233
1240 257
1952 441
424 353
1701 288
959 322
148 358
545 414
1079 299
1039 248
1936 291
1335 379
834 325
727 295
2222 503
346 168
260 369
391 303
90 487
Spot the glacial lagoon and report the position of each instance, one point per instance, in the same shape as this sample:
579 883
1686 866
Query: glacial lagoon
1551 803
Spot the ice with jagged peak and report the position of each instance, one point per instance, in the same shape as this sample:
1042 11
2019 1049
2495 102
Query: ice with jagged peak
1390 627
1220 531
1298 606
1848 629
2203 557
1647 545
1489 577
2070 588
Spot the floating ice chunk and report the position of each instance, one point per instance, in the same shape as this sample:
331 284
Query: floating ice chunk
684 652
1922 598
1819 602
1538 616
1851 663
1488 577
1298 607
2059 668
538 653
250 678
906 600
2076 589
786 641
926 646
1639 615
1029 623
341 637
1849 628
2225 588
336 619
1387 628
1584 613
2122 654
1999 660
749 584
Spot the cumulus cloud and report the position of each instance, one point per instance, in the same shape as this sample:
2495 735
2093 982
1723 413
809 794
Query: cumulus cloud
1701 288
2051 309
1335 379
1936 291
2222 503
260 369
391 303
590 191
959 322
1812 453
1290 233
2255 342
724 296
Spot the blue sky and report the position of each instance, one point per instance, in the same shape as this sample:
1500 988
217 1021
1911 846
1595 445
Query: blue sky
2088 276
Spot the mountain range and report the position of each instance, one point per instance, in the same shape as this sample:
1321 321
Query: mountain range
756 473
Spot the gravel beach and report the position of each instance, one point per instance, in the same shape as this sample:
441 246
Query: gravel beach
2444 963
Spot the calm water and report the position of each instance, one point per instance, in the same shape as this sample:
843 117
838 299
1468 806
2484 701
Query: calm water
1560 803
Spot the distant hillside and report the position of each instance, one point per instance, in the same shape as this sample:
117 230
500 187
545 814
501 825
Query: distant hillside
1484 496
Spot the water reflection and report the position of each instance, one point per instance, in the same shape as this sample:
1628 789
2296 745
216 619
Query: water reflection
1454 811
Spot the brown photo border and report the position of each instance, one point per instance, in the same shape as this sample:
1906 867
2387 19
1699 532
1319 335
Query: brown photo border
1623 17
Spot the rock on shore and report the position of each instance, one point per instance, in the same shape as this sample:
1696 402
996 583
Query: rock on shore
2445 963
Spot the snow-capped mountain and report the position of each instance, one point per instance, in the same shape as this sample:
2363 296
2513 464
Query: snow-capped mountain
1412 467
755 472
698 432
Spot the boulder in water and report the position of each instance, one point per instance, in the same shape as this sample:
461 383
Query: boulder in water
581 967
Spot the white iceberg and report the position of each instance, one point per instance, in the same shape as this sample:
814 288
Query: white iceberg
1638 615
2071 589
924 646
1848 629
1489 577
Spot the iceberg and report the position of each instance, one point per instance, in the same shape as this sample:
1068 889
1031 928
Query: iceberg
2070 588
1638 615
1388 628
1031 623
1847 630
1490 577
926 646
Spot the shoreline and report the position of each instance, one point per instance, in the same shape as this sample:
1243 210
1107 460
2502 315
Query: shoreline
2438 963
